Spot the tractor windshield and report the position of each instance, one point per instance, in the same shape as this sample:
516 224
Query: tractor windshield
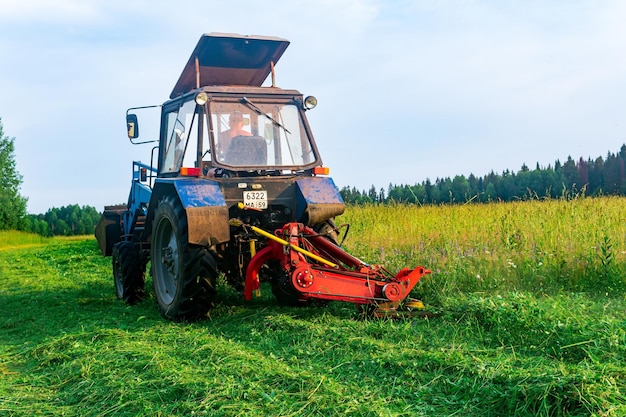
259 134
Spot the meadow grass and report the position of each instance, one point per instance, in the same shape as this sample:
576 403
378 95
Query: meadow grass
546 247
502 345
12 239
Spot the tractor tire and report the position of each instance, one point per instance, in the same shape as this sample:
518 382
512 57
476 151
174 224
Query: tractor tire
328 230
184 275
286 294
128 273
282 288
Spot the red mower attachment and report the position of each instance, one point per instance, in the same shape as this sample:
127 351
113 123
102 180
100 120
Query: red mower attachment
319 269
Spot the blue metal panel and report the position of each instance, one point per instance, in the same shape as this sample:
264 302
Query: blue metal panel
138 198
195 192
139 195
316 190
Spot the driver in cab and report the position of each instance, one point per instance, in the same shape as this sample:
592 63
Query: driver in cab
236 123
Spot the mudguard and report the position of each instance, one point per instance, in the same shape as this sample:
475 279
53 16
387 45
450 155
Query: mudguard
204 204
109 228
318 200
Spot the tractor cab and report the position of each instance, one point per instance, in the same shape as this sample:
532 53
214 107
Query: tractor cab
221 122
236 133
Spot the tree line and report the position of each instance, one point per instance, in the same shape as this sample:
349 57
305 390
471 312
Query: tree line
64 221
591 177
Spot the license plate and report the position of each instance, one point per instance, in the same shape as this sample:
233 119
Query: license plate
255 199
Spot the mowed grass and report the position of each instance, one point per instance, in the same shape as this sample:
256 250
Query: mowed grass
531 321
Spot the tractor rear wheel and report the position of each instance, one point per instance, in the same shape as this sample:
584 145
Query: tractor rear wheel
183 274
128 273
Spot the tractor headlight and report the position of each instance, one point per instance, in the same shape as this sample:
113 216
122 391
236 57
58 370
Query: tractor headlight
310 102
201 98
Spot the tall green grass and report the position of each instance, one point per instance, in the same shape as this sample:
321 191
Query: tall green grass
13 238
545 247
501 346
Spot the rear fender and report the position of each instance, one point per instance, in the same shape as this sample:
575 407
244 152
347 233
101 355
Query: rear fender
205 207
318 200
109 228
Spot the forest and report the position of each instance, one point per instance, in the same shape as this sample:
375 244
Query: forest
68 220
591 177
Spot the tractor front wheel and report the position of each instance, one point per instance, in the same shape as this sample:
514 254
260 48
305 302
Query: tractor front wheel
128 272
183 274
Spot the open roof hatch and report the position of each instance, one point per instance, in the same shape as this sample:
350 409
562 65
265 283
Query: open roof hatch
229 59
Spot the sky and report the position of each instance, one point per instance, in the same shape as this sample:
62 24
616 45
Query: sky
408 90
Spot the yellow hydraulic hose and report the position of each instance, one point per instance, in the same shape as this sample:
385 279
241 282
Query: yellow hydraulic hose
296 248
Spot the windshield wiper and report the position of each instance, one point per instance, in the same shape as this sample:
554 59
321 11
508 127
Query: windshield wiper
262 113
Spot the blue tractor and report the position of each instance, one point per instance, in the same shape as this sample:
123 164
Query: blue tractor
235 159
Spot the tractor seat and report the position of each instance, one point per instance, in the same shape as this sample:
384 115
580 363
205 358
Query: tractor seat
246 151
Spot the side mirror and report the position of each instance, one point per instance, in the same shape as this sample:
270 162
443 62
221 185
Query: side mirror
132 126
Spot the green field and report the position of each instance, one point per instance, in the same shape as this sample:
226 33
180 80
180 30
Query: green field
530 321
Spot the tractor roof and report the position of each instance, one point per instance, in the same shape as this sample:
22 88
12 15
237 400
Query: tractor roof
229 59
